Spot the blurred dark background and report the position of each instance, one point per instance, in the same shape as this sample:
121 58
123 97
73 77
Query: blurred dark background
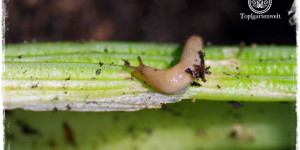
171 21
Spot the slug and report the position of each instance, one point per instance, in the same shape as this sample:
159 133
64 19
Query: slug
176 79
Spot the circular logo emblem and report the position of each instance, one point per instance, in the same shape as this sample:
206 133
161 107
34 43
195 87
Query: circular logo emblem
260 6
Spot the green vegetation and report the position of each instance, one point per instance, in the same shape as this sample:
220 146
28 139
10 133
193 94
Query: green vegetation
71 76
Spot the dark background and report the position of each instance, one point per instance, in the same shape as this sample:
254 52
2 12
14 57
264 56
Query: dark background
218 21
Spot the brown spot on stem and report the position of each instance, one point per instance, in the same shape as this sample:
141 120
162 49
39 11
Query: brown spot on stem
193 100
55 109
68 107
69 134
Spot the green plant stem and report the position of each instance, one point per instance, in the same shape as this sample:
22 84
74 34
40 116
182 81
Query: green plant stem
61 74
183 125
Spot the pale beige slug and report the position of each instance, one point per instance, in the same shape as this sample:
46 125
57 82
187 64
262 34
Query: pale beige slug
175 80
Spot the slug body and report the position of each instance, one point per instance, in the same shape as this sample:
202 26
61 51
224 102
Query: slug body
174 80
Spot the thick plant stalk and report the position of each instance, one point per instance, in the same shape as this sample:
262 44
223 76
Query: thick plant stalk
46 76
183 125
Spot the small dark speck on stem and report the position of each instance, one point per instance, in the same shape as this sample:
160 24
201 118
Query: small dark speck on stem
55 109
236 116
261 110
26 129
130 78
34 86
52 143
235 104
170 110
226 73
101 64
236 76
25 71
233 134
195 84
55 98
149 131
68 107
98 71
201 132
131 129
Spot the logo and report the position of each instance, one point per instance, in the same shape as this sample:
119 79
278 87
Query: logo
260 6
